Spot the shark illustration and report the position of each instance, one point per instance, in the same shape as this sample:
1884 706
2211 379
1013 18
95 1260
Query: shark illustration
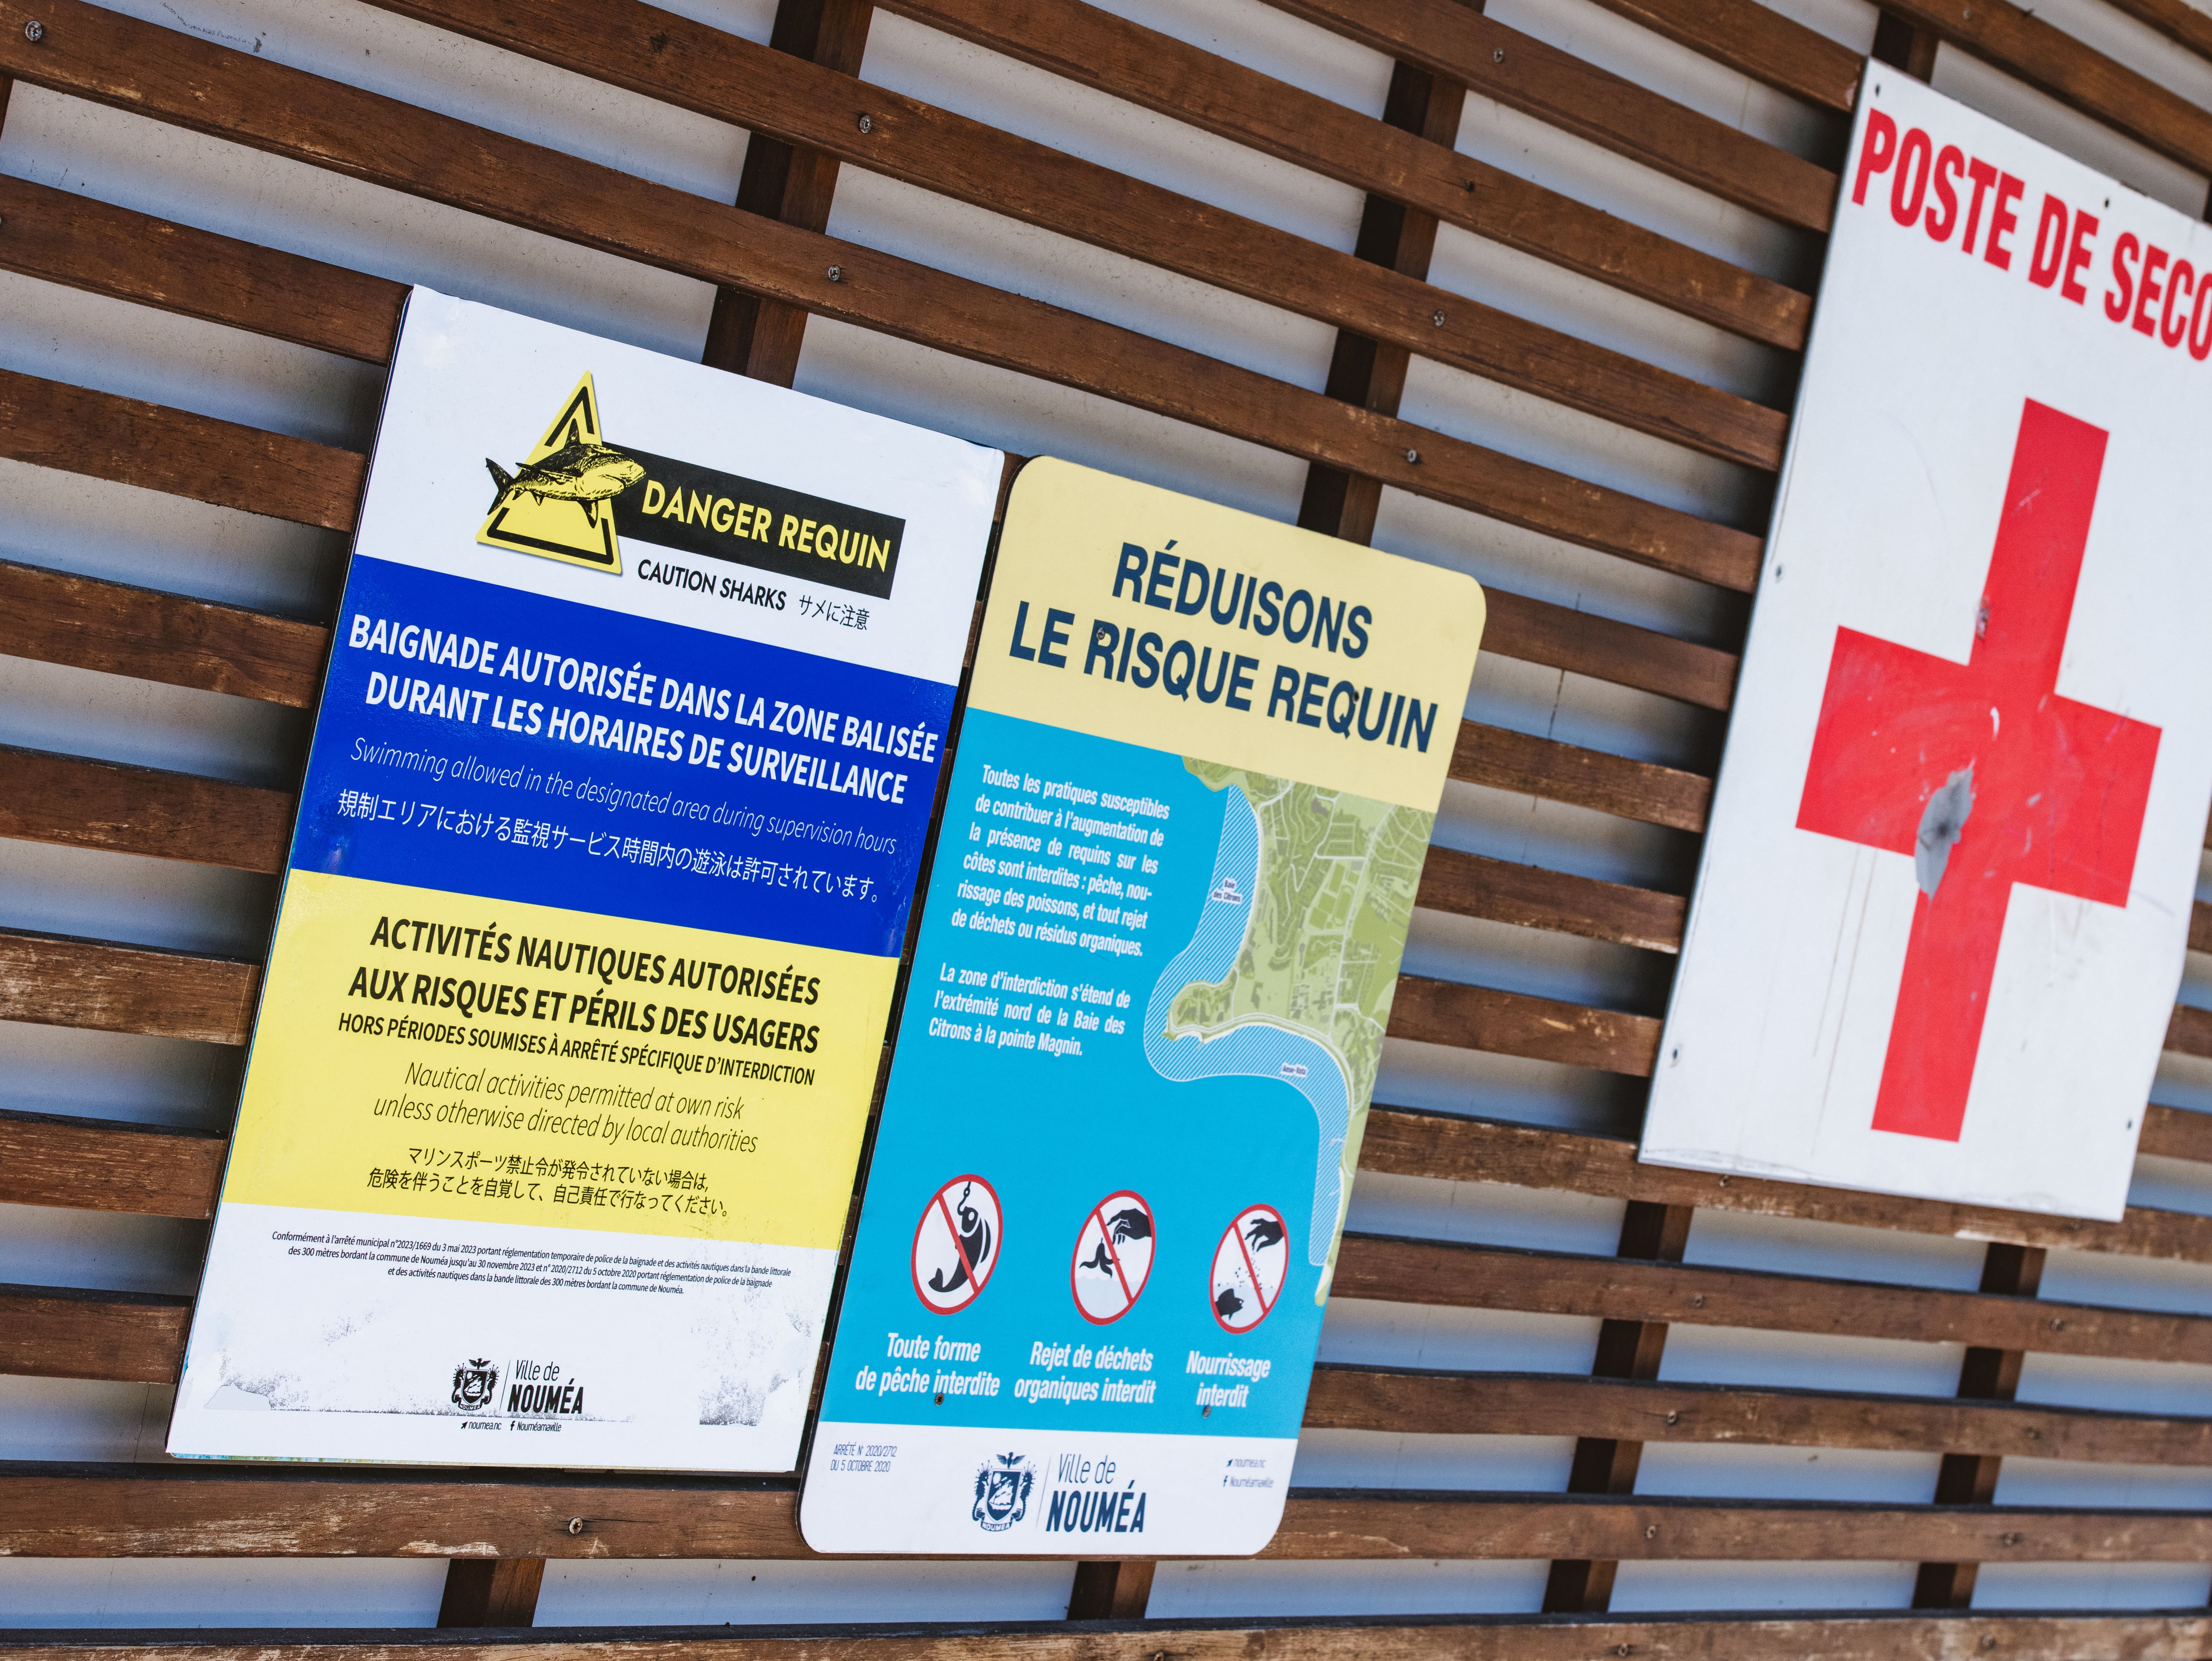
586 474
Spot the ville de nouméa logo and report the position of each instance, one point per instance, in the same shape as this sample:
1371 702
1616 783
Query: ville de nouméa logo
577 497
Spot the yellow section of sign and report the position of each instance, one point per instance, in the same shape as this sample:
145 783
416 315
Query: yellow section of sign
1135 613
422 1054
559 500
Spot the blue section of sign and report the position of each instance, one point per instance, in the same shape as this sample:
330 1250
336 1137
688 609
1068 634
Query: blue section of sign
488 742
1031 1055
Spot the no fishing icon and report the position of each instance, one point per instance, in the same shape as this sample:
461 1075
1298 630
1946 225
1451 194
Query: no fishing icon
956 1245
1248 1267
1113 1257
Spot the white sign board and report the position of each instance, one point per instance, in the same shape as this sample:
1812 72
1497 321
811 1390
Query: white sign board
1945 890
619 784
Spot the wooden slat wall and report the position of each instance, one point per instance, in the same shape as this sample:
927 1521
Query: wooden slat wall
1397 327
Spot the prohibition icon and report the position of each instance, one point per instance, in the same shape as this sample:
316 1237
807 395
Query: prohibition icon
1248 1267
1113 1257
956 1245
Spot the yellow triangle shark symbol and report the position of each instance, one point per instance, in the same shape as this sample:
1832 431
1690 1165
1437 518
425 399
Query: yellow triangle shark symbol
559 500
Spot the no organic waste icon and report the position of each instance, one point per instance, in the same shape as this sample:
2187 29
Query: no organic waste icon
956 1245
1248 1267
1113 1257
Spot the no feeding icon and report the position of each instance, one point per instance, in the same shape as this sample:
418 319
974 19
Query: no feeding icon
1248 1266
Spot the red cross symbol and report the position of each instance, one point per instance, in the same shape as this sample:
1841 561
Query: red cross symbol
1982 773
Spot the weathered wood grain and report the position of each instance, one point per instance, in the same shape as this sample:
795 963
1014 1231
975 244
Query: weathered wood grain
2190 1032
49 424
1086 44
1506 760
1395 1270
1881 1636
80 803
662 55
91 623
2019 42
1474 885
1425 1011
1412 1402
108 1165
1558 637
68 238
134 1338
58 981
1523 73
1758 41
171 77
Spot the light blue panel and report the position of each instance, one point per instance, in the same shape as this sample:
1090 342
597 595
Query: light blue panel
81 1419
118 1075
122 897
109 1250
2092 1381
221 1591
2070 1483
2099 1277
584 1593
2171 1185
1539 1219
1386 1459
1361 1332
2177 1586
1444 1079
1198 1591
1797 1360
1539 962
1697 1471
1582 709
1658 1588
1580 840
1790 1245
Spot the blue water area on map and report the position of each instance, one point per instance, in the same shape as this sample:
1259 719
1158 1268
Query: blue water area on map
1255 1047
465 804
974 1089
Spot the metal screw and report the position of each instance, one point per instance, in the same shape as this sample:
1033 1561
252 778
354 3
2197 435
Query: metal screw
34 31
940 1401
1497 56
1436 318
1989 1640
576 1526
866 125
1650 1530
1724 1182
1697 1300
2010 1539
836 273
1672 1417
1413 457
2056 1325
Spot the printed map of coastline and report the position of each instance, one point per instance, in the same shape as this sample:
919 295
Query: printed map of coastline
1290 972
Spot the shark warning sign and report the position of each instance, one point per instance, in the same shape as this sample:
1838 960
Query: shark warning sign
558 502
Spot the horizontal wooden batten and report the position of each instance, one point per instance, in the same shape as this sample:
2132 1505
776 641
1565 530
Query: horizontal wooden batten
57 980
1404 1143
2021 44
1960 1635
661 55
172 77
1756 41
1582 644
127 1337
1520 762
88 623
81 1512
1493 61
108 1165
64 237
137 810
1415 1402
49 424
1186 83
1473 885
1395 1270
2176 19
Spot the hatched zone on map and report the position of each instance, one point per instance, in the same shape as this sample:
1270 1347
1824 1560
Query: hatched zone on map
1249 1267
956 1245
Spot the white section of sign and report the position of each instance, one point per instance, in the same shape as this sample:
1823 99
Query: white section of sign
948 1491
448 1342
1945 890
471 383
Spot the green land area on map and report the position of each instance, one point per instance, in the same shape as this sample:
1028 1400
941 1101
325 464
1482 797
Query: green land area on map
1328 930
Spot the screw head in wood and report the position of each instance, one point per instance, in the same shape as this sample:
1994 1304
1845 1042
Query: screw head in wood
866 125
1497 56
1650 1530
2058 1323
576 1526
1413 458
1697 1300
1673 1418
1436 318
34 31
836 273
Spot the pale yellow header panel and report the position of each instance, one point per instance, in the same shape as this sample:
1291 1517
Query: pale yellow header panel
1139 614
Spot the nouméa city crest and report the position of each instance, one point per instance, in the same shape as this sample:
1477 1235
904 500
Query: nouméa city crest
559 500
